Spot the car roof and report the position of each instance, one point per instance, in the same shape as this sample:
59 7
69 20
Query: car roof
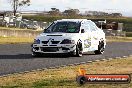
73 20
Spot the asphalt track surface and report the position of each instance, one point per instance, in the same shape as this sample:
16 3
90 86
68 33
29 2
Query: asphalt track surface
15 58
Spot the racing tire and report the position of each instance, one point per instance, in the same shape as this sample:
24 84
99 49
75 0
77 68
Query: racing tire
79 50
100 48
35 54
81 80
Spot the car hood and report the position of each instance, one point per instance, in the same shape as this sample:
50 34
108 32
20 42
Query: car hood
58 36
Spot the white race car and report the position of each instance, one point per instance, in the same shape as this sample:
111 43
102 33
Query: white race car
72 36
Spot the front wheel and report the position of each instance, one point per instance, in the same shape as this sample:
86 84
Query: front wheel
100 48
36 54
79 50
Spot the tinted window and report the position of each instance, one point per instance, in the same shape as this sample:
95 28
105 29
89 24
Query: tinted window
86 25
66 27
93 27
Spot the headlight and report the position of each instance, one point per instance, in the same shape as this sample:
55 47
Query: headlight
36 41
67 41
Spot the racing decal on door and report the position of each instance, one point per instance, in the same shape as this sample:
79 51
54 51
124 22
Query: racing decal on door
87 43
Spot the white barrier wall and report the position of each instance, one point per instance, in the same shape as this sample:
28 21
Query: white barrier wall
19 33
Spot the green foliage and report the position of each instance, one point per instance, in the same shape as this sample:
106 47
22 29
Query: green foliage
47 18
71 12
129 34
41 18
54 12
18 3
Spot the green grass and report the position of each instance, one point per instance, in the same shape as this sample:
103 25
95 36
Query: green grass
66 76
118 39
53 18
14 40
14 28
11 28
129 34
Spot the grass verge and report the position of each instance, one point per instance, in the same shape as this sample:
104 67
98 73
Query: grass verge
65 77
13 40
11 28
118 39
14 28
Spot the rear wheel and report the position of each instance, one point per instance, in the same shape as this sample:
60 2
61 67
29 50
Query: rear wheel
100 48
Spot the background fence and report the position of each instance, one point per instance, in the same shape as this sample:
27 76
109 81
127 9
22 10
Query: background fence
39 25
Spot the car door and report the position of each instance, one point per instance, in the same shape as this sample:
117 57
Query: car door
86 36
94 35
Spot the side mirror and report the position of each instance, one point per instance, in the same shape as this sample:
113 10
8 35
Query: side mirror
44 30
82 31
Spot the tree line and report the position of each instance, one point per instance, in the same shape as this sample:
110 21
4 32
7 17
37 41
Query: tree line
16 4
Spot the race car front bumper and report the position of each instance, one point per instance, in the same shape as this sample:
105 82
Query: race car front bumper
61 48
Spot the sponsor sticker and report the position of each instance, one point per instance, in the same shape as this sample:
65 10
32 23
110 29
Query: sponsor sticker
102 78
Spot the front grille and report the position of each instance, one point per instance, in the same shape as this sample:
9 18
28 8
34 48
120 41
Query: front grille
44 42
54 35
49 49
63 48
52 42
55 42
36 48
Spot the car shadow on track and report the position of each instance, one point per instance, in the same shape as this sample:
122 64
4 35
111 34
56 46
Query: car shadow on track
53 56
60 56
29 56
19 56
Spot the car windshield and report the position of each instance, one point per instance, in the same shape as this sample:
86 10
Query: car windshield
66 27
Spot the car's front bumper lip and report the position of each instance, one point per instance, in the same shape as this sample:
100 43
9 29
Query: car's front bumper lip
61 48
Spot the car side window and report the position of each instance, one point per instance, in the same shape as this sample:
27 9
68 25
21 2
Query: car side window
93 27
86 26
47 30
